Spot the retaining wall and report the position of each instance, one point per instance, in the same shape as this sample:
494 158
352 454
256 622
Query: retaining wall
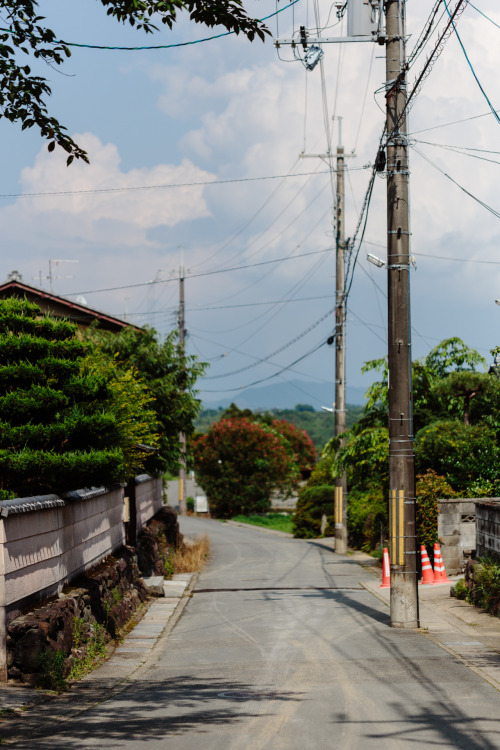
488 528
46 541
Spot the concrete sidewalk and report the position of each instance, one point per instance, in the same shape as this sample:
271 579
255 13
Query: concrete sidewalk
137 649
465 631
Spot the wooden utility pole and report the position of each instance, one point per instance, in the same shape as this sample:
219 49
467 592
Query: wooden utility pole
182 436
340 400
403 548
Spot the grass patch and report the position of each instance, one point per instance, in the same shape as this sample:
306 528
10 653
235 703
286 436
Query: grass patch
191 555
276 521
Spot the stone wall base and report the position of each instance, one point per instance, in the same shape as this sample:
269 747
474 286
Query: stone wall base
97 604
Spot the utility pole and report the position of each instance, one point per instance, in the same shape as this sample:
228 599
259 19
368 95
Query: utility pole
403 547
182 436
340 400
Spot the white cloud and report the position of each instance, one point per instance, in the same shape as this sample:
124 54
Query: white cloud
114 217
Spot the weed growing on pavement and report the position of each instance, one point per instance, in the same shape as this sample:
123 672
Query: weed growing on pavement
52 667
191 557
95 649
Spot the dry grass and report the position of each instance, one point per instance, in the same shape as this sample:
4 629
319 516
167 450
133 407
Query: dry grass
192 555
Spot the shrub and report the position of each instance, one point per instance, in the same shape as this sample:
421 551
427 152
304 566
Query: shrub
367 518
313 503
459 452
56 430
170 377
299 443
430 487
239 464
482 581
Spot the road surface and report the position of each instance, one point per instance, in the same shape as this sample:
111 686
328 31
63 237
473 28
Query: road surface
280 648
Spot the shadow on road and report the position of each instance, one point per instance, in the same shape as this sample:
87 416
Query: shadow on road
449 728
149 710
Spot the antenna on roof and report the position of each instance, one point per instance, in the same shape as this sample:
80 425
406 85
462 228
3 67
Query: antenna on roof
55 262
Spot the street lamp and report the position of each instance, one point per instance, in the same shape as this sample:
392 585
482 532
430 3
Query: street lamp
328 408
376 261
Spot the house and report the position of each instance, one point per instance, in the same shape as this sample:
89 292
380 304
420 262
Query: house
61 307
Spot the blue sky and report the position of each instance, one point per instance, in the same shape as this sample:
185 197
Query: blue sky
231 110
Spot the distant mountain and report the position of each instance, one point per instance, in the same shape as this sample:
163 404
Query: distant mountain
286 396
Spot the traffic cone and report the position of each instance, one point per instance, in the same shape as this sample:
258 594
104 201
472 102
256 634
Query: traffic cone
427 573
439 569
386 571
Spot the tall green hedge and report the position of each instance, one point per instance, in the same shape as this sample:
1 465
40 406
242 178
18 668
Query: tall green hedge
56 428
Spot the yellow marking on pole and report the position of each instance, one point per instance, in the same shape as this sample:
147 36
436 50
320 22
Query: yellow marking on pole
401 528
392 520
338 504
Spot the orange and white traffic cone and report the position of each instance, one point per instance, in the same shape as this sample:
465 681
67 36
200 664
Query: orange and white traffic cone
427 573
439 569
386 571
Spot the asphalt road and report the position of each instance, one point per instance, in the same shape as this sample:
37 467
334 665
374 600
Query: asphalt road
280 647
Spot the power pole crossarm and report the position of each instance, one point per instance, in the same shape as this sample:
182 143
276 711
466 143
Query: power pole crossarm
404 590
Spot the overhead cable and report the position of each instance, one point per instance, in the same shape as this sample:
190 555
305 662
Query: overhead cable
277 351
269 377
493 110
199 183
198 275
462 188
157 46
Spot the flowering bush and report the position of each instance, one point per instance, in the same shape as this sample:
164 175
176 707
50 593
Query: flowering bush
299 442
239 463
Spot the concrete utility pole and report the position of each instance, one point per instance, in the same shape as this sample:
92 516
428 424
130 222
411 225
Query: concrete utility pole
182 436
403 547
340 402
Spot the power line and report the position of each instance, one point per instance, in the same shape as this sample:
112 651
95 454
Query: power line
245 354
464 190
277 351
459 260
199 275
484 15
257 304
454 122
200 183
497 118
269 377
157 46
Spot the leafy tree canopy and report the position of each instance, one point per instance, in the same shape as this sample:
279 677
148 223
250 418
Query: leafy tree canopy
170 378
26 41
66 421
239 463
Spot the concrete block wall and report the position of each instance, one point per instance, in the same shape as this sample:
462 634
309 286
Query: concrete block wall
456 531
488 528
148 499
46 541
